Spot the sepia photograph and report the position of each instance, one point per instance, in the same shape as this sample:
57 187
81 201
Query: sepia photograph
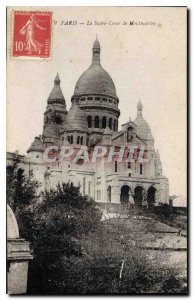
96 154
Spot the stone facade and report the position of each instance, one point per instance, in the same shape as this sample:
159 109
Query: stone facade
18 256
93 121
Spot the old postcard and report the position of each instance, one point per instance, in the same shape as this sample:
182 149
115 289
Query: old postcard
96 150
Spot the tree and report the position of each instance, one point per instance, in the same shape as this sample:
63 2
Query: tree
54 222
22 195
63 217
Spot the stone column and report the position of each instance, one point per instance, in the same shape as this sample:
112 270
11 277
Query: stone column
93 121
100 122
115 193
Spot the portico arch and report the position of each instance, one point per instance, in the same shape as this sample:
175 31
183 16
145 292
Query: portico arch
151 195
124 196
139 195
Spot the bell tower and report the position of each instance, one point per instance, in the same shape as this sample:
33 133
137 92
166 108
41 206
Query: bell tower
55 114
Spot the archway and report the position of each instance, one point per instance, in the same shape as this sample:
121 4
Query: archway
139 195
151 195
124 197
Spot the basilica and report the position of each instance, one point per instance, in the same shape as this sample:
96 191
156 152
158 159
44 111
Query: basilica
91 121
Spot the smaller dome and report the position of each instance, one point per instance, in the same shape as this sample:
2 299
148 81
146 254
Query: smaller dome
143 130
76 119
12 227
36 145
56 93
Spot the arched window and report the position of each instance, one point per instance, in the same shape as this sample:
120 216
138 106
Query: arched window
140 169
110 123
130 132
89 121
116 166
71 139
104 122
58 120
78 140
81 140
114 125
96 122
109 193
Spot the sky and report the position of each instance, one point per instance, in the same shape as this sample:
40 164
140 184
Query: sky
146 61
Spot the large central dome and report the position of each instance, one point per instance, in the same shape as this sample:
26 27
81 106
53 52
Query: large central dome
96 94
95 80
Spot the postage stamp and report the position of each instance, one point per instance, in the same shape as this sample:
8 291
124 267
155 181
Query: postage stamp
31 34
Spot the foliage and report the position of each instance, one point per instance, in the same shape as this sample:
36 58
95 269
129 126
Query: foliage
173 285
22 196
63 218
21 190
98 275
73 251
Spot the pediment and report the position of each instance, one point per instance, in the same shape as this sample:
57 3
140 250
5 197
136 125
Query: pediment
121 138
130 123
